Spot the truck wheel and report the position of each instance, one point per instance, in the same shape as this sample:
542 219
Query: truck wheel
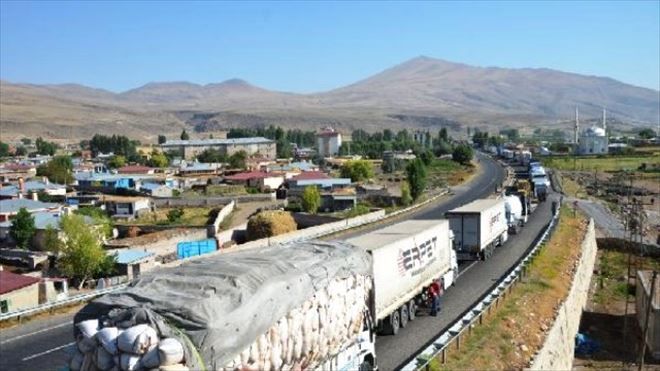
394 323
365 366
412 310
403 315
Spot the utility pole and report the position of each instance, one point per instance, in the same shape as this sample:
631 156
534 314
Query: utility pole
649 304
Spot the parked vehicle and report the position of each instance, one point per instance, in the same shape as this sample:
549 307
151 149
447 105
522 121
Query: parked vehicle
406 258
479 227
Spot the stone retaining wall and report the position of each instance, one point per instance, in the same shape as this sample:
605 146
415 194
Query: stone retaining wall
559 347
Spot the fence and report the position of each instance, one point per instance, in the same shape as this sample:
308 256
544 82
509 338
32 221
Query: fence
189 249
19 314
455 333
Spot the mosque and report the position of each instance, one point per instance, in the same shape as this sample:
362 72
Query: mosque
593 140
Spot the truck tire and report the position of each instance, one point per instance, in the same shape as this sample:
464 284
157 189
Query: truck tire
395 321
403 316
412 310
366 366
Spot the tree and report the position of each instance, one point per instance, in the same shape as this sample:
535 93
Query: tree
162 139
406 198
212 155
646 133
237 160
462 154
416 178
158 159
26 141
117 161
442 135
4 149
45 148
357 170
79 250
311 199
58 170
426 156
184 135
21 151
442 148
22 228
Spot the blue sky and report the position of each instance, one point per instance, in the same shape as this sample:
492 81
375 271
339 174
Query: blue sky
307 47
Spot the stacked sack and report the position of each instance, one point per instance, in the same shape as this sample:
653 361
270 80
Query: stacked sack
312 332
124 348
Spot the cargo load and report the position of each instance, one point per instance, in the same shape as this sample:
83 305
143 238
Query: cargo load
297 306
407 257
478 227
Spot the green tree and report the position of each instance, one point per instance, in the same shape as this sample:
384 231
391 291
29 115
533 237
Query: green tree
26 141
58 170
162 139
462 154
416 172
442 135
21 151
4 149
184 135
238 160
79 250
212 155
442 148
158 159
646 133
45 148
357 170
22 228
311 199
406 198
117 161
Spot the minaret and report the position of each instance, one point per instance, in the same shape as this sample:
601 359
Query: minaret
576 129
604 120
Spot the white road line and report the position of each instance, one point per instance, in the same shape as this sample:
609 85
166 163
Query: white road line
46 352
466 269
36 332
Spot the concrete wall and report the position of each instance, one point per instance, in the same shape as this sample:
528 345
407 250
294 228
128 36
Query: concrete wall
26 297
166 245
642 301
211 201
222 214
559 346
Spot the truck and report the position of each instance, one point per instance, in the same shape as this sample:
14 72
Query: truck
478 227
514 214
302 305
540 187
507 154
407 258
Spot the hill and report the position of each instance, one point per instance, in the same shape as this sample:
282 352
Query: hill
422 92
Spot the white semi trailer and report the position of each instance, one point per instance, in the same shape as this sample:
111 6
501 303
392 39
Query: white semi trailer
406 258
478 228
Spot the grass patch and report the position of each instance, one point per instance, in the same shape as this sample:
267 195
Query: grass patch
443 172
600 163
192 216
511 334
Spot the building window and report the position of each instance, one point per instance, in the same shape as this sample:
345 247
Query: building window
4 306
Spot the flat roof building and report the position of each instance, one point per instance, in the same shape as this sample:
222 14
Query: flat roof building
191 148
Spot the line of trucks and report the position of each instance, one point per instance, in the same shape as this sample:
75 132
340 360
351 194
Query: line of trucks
304 305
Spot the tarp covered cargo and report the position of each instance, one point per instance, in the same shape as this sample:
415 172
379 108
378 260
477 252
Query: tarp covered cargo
222 303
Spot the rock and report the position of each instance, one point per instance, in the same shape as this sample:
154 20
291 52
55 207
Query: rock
524 348
544 328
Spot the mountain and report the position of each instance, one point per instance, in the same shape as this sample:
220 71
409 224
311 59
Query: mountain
422 92
432 84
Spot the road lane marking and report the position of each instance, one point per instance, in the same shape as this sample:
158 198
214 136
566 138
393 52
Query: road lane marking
36 332
47 352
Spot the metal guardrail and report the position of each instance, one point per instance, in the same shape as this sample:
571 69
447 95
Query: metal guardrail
18 314
453 334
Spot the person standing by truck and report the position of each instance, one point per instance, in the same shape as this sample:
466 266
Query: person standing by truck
434 296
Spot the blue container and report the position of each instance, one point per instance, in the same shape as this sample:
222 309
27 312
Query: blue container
189 249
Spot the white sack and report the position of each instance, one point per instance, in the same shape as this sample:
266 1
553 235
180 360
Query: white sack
107 337
170 352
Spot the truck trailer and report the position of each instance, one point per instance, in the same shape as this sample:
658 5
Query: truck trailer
478 227
406 258
304 305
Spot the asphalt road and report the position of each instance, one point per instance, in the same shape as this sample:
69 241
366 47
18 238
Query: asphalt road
42 344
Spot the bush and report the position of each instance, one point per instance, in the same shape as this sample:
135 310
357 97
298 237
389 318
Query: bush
311 199
269 224
175 215
416 172
406 198
357 170
462 154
